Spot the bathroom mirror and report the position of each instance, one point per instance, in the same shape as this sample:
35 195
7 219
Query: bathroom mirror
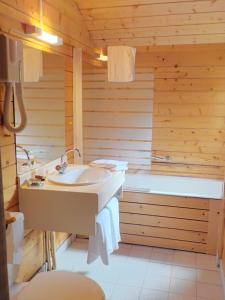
43 139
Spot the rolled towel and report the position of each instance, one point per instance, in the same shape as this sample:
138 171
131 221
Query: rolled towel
113 165
101 244
113 207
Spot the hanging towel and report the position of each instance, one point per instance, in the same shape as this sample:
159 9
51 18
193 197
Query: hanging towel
113 207
14 239
113 165
101 244
121 63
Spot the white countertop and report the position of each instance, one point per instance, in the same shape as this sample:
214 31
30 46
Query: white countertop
174 185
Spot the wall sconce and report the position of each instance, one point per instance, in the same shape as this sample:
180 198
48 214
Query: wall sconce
102 57
39 33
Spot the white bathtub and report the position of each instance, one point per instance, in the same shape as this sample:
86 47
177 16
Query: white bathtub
174 185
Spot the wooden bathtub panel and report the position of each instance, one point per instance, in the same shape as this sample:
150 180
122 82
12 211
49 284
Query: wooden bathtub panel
183 223
164 222
173 234
187 202
164 243
157 210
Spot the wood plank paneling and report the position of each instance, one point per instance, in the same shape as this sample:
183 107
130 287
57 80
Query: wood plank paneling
188 111
173 212
60 18
117 118
12 14
163 243
154 22
170 221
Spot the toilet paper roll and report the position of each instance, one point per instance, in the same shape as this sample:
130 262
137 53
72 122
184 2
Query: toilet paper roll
14 239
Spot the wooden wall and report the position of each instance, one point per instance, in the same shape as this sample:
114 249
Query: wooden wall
59 17
188 109
44 135
154 22
118 118
12 13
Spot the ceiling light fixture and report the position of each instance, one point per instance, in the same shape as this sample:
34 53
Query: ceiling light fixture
102 57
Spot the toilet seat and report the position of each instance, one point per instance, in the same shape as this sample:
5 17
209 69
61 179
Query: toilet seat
61 285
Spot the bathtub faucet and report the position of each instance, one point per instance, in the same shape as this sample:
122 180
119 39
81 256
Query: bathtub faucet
161 158
63 160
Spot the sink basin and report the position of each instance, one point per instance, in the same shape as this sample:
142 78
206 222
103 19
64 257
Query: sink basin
80 175
69 202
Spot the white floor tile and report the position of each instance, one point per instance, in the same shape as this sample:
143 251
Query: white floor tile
122 292
141 252
207 262
184 287
146 273
212 277
185 259
159 269
163 251
162 255
209 291
124 250
72 259
147 294
104 273
173 296
184 273
185 253
157 282
108 289
133 273
162 258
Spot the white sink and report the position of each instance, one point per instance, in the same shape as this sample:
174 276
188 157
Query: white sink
80 175
72 202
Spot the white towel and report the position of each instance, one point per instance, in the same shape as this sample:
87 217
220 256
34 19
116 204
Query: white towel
113 165
101 244
113 207
121 63
14 239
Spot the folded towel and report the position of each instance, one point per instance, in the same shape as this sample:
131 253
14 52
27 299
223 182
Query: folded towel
101 244
121 63
113 207
113 165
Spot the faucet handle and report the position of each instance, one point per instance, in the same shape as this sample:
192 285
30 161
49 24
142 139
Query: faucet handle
61 168
58 167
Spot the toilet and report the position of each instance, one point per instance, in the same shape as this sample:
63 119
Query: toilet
57 285
60 285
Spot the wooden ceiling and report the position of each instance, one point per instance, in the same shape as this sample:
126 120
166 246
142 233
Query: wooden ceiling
154 22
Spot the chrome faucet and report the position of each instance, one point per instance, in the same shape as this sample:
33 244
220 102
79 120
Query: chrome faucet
30 162
63 163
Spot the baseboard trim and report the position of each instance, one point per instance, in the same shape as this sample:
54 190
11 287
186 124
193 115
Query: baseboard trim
222 275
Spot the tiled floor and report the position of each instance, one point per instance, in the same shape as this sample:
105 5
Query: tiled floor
145 273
